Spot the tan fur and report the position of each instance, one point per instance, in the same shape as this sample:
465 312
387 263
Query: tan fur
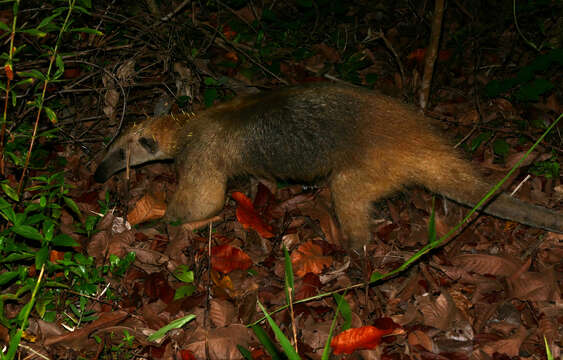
365 145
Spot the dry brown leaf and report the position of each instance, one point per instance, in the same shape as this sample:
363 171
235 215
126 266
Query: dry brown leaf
81 335
98 245
149 257
420 338
510 346
222 342
221 312
535 286
126 72
548 322
146 209
315 333
438 312
309 258
512 159
111 99
487 264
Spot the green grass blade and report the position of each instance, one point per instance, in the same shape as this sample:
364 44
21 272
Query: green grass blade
268 344
282 339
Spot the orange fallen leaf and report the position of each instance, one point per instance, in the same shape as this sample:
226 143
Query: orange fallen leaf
226 258
231 55
228 32
146 209
55 255
222 282
365 337
309 258
249 218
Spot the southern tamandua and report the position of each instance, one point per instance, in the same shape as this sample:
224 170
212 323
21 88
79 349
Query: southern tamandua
365 145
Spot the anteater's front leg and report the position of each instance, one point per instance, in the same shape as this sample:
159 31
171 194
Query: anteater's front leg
200 193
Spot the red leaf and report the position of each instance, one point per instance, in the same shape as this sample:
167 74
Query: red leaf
226 258
247 216
365 337
187 355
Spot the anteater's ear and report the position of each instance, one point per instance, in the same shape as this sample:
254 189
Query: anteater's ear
149 144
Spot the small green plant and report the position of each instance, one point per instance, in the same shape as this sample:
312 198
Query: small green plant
185 275
31 238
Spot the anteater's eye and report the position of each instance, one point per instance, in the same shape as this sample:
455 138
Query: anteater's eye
149 144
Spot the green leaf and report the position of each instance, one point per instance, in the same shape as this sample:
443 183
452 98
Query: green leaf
7 276
481 138
49 229
501 147
27 81
268 344
41 257
8 190
119 266
209 81
34 219
27 232
15 257
20 219
8 213
5 27
209 96
82 10
176 324
36 74
72 205
60 67
88 31
184 291
48 19
50 114
288 350
65 241
183 273
34 32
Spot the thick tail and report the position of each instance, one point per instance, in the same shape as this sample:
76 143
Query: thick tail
456 179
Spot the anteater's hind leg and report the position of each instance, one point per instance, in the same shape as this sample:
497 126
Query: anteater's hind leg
353 192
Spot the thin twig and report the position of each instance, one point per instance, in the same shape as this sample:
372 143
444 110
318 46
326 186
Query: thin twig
431 53
170 15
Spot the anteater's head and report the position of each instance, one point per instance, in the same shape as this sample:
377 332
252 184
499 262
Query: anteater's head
150 140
